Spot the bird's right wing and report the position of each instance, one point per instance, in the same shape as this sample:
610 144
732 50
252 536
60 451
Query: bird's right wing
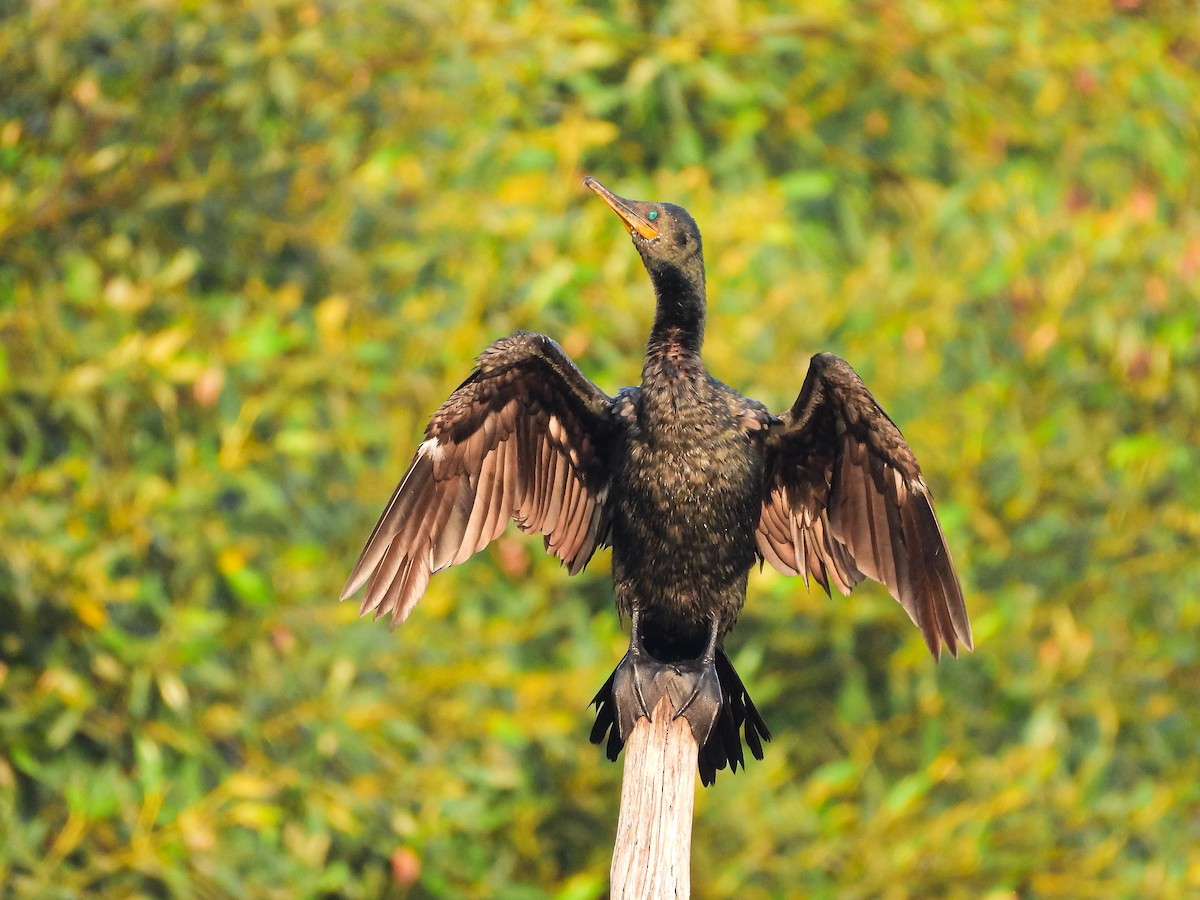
525 437
844 498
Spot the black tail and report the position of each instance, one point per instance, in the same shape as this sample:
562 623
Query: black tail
724 744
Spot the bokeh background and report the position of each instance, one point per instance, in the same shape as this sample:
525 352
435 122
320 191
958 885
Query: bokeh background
247 248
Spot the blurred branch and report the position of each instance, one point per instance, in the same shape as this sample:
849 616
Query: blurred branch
79 192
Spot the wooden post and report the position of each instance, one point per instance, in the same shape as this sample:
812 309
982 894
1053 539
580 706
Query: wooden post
652 857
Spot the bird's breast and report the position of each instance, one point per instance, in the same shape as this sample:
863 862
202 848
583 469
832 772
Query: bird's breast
690 481
688 495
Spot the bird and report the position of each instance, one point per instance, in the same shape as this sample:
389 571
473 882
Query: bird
690 483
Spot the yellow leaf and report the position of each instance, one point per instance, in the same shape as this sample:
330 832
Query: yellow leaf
245 786
1051 96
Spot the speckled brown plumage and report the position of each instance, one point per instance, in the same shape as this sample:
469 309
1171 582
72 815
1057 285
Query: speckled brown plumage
688 481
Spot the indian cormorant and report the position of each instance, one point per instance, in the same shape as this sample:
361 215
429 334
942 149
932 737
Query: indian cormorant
689 482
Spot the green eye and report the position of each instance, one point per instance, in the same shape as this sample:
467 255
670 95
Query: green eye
652 215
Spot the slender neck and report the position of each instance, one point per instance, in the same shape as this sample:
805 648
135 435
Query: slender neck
679 319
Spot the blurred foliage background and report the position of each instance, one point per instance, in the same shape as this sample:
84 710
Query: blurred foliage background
245 251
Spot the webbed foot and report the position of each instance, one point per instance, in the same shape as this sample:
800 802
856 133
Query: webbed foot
692 688
706 691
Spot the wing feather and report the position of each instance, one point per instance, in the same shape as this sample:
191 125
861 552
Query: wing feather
497 517
544 474
583 525
389 567
567 515
557 489
527 437
390 584
473 539
597 533
456 512
844 499
505 485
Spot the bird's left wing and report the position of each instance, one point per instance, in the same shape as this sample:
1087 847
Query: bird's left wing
844 498
525 437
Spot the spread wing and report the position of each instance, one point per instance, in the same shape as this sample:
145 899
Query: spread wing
524 437
844 499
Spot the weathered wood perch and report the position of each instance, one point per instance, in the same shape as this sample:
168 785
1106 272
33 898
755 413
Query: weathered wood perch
652 856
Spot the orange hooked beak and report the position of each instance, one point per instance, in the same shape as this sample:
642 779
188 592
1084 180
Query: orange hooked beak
633 220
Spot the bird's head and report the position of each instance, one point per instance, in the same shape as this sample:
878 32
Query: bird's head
662 232
669 242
